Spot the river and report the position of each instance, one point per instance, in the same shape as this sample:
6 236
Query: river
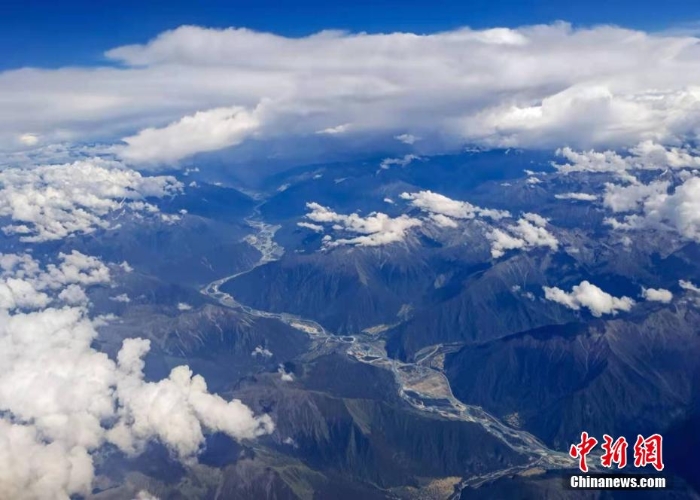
421 384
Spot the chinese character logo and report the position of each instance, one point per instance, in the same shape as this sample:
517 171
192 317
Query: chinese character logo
615 453
582 450
647 451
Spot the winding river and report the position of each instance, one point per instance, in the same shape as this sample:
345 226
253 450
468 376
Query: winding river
421 384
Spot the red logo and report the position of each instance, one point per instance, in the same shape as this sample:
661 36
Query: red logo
646 451
615 453
582 450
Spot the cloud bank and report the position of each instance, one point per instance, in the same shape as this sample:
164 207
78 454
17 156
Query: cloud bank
647 155
195 89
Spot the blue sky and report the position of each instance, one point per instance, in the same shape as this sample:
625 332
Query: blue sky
48 33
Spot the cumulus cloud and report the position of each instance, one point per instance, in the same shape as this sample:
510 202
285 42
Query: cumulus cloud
174 410
204 131
51 202
533 86
374 230
122 297
529 232
631 198
536 219
24 285
589 296
647 155
73 295
657 295
681 209
19 294
653 206
443 209
61 399
30 469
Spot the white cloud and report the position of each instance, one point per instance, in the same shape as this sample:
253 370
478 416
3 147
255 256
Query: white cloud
657 295
375 230
61 400
20 294
174 410
122 297
313 227
647 155
54 201
261 351
589 296
182 306
681 209
654 207
409 139
284 375
73 295
689 285
401 162
23 285
631 198
502 241
77 268
443 209
204 131
536 219
170 218
533 86
339 129
576 196
30 469
529 232
443 221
